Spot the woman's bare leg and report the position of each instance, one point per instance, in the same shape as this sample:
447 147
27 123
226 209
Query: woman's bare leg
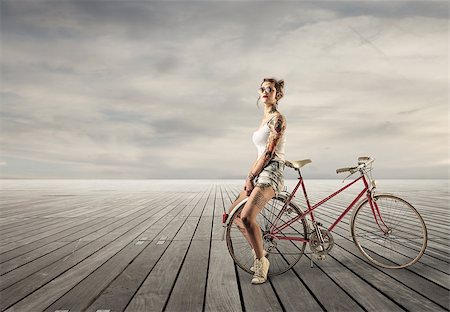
241 196
259 197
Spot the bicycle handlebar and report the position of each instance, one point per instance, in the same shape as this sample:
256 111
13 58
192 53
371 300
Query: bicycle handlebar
340 170
362 163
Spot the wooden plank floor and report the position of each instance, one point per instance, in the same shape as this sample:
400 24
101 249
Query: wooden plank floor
116 245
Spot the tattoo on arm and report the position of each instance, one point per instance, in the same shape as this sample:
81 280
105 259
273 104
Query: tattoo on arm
277 126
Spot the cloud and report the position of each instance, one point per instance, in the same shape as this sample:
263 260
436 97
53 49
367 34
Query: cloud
168 89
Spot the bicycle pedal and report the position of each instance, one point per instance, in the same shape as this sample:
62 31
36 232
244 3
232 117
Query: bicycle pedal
321 257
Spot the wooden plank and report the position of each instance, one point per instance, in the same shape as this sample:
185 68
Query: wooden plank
81 296
159 297
260 297
360 291
91 286
423 287
107 270
402 295
25 243
41 298
68 250
71 234
153 293
327 291
218 230
222 293
293 293
73 267
22 206
68 224
209 210
17 262
117 295
39 214
198 209
187 229
192 277
50 218
204 227
193 274
219 204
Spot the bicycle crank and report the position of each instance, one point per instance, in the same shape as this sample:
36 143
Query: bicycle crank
321 248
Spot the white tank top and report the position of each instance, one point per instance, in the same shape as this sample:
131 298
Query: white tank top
260 138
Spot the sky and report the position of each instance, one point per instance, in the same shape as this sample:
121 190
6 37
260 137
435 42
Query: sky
167 90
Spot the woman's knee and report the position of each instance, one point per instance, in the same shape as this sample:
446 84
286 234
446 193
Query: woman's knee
247 219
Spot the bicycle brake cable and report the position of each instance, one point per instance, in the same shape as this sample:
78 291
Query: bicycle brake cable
351 173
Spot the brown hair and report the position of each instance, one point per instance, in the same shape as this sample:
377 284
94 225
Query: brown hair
279 86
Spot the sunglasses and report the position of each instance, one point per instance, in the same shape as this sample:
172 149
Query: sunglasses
267 89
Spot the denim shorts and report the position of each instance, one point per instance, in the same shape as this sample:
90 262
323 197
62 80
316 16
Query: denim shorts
271 175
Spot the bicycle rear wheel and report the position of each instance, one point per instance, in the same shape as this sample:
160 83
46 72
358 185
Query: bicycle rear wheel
394 238
284 249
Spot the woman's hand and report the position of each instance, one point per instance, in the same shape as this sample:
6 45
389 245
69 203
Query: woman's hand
248 186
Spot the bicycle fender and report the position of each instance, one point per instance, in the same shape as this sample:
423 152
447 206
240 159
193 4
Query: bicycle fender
230 215
284 195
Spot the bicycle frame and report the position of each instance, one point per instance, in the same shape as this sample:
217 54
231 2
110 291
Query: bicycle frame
274 230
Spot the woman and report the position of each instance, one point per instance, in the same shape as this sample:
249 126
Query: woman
265 178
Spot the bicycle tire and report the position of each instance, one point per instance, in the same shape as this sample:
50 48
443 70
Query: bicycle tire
397 245
283 254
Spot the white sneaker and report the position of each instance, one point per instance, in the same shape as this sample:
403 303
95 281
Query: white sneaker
261 269
254 258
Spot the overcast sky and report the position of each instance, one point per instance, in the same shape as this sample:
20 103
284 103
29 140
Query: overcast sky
142 90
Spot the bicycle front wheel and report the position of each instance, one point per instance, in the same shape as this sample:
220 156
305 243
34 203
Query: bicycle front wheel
390 233
283 239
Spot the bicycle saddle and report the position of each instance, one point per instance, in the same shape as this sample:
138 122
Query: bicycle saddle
297 164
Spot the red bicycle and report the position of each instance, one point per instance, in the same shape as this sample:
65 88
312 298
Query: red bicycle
386 229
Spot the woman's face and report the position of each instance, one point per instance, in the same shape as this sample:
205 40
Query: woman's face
267 92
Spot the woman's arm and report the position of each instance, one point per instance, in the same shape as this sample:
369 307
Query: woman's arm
248 181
